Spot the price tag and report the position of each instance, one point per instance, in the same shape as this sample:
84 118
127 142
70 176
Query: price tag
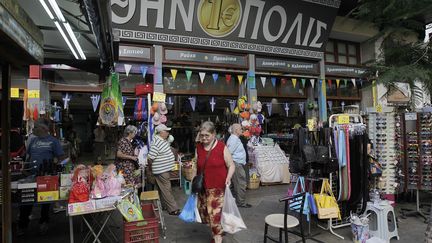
311 124
159 97
14 92
343 119
379 108
33 94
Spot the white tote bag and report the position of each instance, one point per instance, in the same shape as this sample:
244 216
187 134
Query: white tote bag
231 220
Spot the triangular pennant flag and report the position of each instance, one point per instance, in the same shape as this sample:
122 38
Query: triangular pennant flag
283 81
174 73
346 82
312 81
240 78
66 98
188 75
212 103
232 104
170 101
303 80
353 81
228 78
56 112
127 68
192 101
269 108
286 108
294 82
361 82
330 82
144 71
273 80
343 106
301 107
337 83
202 76
263 81
124 99
95 101
330 104
215 77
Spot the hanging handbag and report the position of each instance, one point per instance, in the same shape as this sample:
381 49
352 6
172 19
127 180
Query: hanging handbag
326 202
198 180
300 182
143 89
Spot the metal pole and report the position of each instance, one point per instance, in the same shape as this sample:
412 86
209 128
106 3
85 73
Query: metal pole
5 145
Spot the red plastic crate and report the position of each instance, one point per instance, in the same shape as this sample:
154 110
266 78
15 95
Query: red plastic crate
141 232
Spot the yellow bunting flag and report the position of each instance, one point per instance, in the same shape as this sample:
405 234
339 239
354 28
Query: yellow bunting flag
294 82
337 82
240 78
174 73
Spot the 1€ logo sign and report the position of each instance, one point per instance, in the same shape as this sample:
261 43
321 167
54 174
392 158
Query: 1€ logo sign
219 18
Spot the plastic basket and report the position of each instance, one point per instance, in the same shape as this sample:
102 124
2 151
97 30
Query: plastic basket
143 231
254 183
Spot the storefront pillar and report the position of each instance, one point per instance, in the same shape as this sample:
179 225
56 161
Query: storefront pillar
5 147
158 77
322 96
252 94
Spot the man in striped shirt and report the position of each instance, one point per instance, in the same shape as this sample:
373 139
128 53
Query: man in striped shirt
161 162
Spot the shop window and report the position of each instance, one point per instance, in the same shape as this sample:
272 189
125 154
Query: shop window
348 90
287 88
342 52
127 83
268 89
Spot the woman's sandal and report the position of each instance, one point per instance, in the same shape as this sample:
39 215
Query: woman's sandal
176 212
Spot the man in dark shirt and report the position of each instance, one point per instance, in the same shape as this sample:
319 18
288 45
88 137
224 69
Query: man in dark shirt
42 148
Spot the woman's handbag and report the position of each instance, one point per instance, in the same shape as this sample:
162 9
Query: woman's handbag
326 202
198 180
143 89
300 188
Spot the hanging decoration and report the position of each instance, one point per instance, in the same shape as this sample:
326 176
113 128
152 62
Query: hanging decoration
353 81
202 76
215 77
188 75
140 111
286 108
66 98
312 81
240 78
56 112
170 101
301 107
337 83
127 68
95 101
212 103
294 82
330 104
343 106
273 80
233 104
303 81
269 108
346 82
124 99
283 81
330 82
111 108
263 81
144 70
361 82
228 78
192 101
174 74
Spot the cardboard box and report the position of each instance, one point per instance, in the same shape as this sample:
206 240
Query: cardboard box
107 202
47 196
66 180
81 207
47 183
64 192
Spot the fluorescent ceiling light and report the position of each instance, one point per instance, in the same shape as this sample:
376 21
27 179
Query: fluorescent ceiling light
57 10
74 40
46 9
66 39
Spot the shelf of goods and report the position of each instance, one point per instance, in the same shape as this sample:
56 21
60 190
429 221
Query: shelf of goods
425 147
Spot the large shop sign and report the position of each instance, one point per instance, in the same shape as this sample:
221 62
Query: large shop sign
344 71
287 65
279 27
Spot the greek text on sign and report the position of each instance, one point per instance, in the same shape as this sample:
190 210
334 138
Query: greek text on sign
33 94
159 97
343 119
14 93
302 28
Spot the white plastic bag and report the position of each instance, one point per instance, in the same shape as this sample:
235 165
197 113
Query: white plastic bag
231 220
197 214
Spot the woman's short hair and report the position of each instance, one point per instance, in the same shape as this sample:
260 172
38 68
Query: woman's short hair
129 130
208 126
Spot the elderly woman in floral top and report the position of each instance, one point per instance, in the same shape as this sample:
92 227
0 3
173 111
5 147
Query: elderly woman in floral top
126 160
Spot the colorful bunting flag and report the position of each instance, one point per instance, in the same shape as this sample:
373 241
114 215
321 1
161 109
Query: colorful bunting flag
170 101
174 73
66 98
303 80
232 104
294 82
215 77
212 103
57 112
283 81
143 70
330 82
337 83
124 100
127 68
269 108
343 106
188 75
273 80
353 81
228 78
286 108
263 81
330 104
346 82
192 101
240 78
202 76
312 81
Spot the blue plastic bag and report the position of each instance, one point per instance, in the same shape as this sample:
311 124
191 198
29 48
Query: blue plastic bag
299 188
188 211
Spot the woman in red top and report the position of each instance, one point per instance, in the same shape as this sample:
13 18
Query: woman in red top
217 174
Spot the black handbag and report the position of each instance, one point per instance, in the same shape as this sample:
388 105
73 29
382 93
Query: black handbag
198 180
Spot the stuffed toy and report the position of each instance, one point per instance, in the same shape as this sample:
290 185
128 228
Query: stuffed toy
112 181
81 181
98 190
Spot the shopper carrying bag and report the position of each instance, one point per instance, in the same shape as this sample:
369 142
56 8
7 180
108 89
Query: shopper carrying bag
231 220
326 202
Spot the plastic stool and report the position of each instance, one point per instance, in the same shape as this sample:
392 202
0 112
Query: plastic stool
187 186
154 197
379 222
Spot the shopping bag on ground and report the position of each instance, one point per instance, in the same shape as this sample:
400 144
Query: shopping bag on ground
231 220
326 202
300 188
188 211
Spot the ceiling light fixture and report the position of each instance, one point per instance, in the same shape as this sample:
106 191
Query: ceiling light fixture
64 28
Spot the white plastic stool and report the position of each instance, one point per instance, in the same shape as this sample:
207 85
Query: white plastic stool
380 224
